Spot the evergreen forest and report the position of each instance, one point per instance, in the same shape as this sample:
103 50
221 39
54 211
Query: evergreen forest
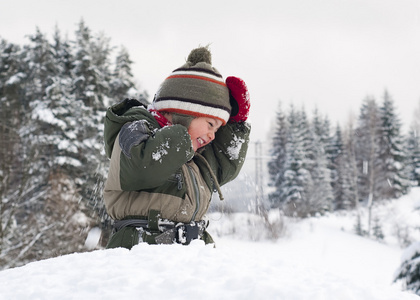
315 168
53 97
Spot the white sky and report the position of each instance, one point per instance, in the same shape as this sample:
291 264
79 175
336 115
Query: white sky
328 54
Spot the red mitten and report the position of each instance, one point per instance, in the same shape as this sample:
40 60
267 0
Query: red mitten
239 99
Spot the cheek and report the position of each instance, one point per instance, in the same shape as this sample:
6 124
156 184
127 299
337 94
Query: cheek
193 133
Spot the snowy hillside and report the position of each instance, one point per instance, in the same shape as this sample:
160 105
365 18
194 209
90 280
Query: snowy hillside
318 258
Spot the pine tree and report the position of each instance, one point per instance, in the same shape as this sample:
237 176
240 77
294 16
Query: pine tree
368 142
10 150
358 228
88 86
306 138
62 54
297 178
11 75
290 189
320 194
17 92
337 170
377 229
276 166
409 271
393 180
413 149
39 66
368 135
349 170
11 78
413 156
350 174
122 76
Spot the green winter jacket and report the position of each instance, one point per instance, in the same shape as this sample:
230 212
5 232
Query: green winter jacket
154 168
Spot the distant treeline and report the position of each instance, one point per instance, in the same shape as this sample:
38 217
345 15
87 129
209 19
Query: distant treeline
315 169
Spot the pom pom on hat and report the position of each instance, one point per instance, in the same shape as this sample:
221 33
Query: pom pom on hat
196 89
201 54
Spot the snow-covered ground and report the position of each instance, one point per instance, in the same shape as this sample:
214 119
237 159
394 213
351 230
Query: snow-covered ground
318 258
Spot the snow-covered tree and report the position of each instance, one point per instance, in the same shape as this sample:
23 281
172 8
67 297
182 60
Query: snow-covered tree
413 149
52 99
368 142
122 77
297 183
12 79
367 137
91 64
413 156
292 189
350 171
62 54
39 65
320 194
337 167
276 166
393 179
299 170
43 206
409 271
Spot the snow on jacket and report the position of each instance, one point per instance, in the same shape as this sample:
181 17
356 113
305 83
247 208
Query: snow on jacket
156 168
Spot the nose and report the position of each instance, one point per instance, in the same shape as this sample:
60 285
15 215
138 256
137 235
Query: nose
211 135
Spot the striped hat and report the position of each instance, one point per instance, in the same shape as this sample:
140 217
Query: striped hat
196 89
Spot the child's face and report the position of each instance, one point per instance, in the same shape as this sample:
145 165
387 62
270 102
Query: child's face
202 131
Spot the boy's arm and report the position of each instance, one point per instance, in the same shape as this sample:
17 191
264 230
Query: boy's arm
146 154
226 154
149 157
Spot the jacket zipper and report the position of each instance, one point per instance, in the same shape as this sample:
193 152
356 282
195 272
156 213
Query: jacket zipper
178 177
196 191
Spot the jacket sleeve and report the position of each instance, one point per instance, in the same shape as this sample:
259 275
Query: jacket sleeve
148 161
146 155
226 154
116 116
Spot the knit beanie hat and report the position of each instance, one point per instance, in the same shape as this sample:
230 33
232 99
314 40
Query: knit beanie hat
196 89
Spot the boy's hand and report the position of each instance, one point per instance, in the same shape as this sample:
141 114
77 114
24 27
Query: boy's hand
239 99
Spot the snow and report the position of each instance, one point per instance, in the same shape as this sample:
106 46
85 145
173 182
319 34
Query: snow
66 145
162 151
410 252
45 114
317 258
64 160
235 148
93 238
15 79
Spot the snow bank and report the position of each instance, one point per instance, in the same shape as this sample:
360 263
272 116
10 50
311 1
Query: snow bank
318 258
293 269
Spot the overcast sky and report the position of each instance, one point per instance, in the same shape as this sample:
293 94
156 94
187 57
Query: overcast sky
328 54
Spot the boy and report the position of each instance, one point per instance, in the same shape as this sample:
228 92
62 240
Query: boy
168 158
